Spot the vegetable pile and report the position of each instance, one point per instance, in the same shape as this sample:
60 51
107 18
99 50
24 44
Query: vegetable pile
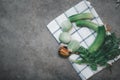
104 48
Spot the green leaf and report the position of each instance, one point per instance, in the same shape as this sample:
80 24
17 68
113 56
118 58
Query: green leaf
93 67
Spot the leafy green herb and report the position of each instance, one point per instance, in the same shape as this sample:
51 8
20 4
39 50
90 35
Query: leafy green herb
108 51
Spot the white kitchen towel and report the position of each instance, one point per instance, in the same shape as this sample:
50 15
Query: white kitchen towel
84 35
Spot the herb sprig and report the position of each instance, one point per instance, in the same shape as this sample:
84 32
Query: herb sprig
108 51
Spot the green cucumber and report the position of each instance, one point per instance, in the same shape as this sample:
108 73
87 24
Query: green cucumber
98 40
88 24
80 16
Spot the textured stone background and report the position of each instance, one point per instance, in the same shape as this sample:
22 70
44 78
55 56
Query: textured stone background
27 49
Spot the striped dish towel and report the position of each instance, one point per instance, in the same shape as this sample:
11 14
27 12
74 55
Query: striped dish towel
84 35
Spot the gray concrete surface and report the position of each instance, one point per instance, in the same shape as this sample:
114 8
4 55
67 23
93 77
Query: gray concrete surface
29 52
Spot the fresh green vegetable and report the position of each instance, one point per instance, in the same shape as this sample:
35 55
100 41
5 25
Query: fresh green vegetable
88 24
64 37
73 45
108 51
66 25
104 48
98 40
81 16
